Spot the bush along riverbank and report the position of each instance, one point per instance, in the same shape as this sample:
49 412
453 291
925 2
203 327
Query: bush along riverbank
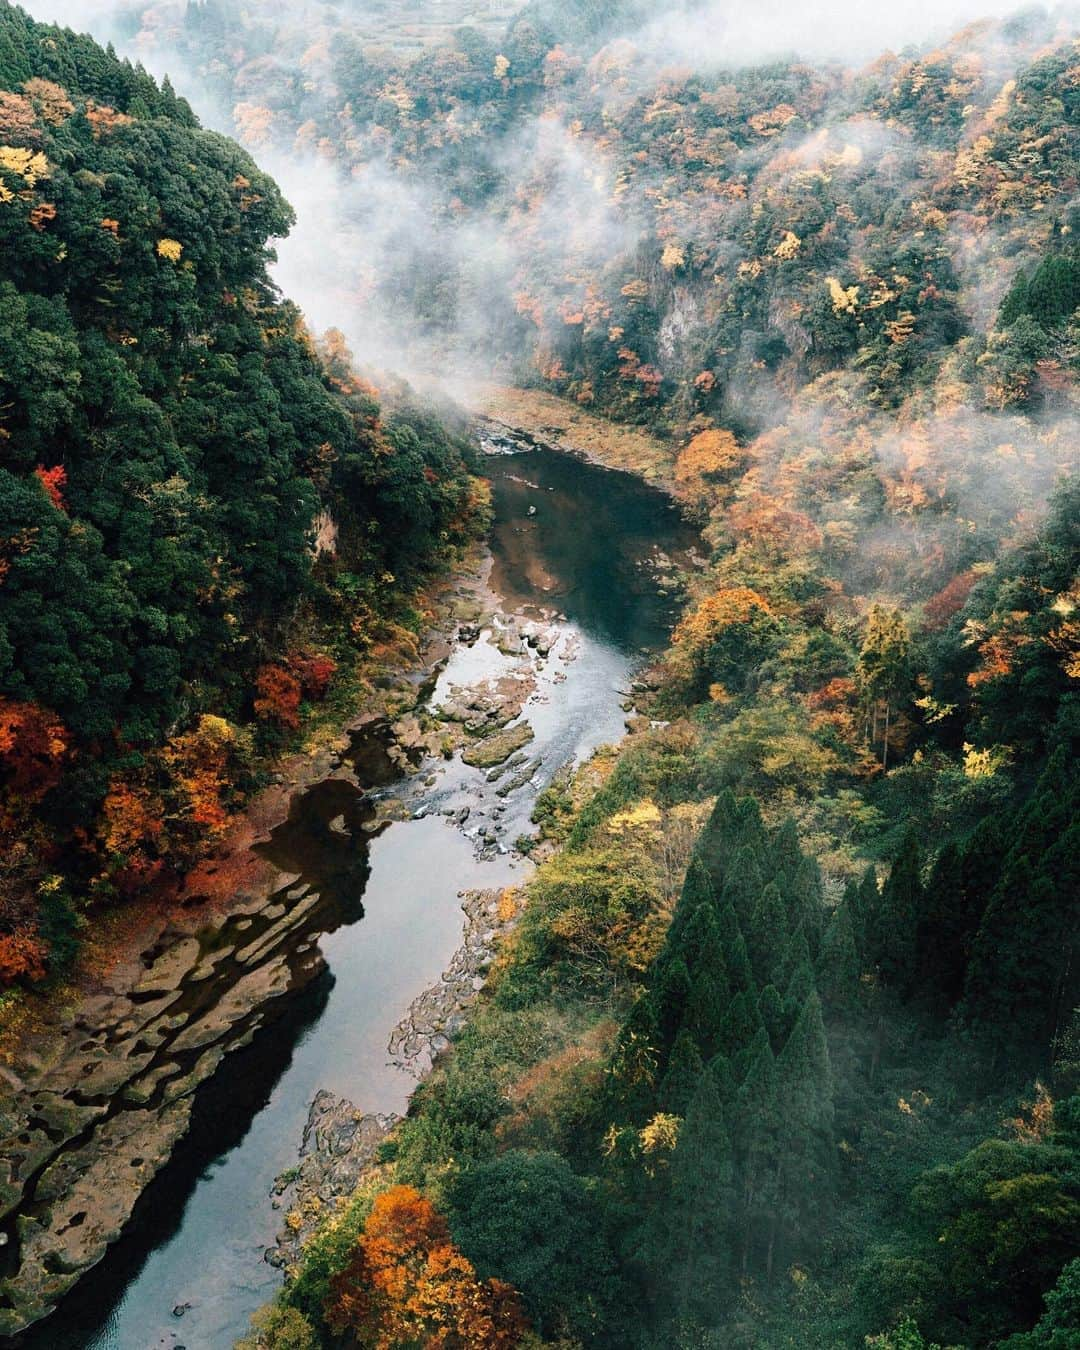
782 1034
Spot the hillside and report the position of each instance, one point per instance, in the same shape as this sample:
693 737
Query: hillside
171 445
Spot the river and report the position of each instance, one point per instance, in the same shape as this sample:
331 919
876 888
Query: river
580 554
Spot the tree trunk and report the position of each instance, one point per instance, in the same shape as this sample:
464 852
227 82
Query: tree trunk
885 754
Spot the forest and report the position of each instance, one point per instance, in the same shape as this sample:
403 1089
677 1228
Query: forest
174 445
784 1049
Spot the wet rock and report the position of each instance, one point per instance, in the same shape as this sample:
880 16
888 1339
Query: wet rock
340 1144
523 776
438 1014
495 749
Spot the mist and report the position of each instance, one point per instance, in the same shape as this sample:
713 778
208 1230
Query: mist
437 292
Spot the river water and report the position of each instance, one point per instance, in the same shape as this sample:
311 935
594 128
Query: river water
573 546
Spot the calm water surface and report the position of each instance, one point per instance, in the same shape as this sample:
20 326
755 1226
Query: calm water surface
568 538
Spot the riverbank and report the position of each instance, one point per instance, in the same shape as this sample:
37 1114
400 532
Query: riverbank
100 1080
512 687
534 417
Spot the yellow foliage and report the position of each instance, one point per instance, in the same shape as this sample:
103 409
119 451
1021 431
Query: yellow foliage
29 165
642 813
732 605
673 257
502 67
661 1134
170 248
788 247
845 300
984 763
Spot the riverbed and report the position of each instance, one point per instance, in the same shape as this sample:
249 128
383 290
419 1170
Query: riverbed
582 588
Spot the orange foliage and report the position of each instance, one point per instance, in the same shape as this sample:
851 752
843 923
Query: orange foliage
33 744
199 762
709 456
130 820
50 99
22 956
732 605
17 118
41 215
278 696
999 649
763 520
407 1284
940 608
103 119
53 481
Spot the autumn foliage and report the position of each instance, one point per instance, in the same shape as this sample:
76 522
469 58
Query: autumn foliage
408 1285
278 696
710 458
33 745
22 956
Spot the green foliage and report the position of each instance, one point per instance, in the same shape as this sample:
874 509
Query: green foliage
168 436
1004 1219
528 1219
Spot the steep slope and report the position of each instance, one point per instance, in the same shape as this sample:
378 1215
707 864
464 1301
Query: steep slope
202 518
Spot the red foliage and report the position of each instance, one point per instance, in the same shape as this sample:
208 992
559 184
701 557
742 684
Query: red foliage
314 673
940 608
22 955
33 744
278 697
53 481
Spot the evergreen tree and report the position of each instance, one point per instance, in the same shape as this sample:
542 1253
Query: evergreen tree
773 1015
786 853
701 1204
635 1061
797 991
702 947
740 1025
767 935
806 901
893 926
838 962
757 1140
805 1097
671 996
740 975
682 1077
705 1013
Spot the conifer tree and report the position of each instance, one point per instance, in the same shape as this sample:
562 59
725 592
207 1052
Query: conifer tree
757 1147
838 962
634 1066
683 1074
773 1016
701 1201
806 899
767 935
893 926
705 1013
786 852
671 995
740 1025
740 975
805 1103
701 946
